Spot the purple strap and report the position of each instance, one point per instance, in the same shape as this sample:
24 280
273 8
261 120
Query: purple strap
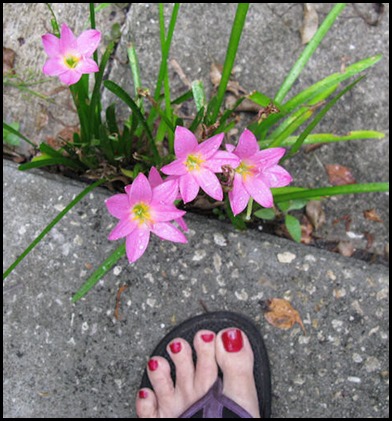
213 403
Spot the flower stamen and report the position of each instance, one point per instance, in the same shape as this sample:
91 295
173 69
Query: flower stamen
193 162
141 213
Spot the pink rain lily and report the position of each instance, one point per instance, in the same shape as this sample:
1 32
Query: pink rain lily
257 172
70 57
142 210
196 164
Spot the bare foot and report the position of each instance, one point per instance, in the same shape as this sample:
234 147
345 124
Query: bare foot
230 349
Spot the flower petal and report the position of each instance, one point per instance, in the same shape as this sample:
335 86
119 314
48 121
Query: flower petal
166 192
118 205
122 229
140 190
259 190
166 213
154 177
188 188
182 224
185 142
54 67
88 42
238 196
276 176
209 182
222 158
176 167
136 243
51 45
67 40
87 65
269 157
247 145
210 146
70 77
169 232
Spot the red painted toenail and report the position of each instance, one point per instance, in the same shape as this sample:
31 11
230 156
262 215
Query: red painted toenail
208 337
153 365
232 340
175 347
143 394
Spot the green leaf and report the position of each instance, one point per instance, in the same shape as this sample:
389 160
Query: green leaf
260 99
118 91
330 191
267 214
11 138
199 94
292 205
236 31
100 272
293 227
57 219
308 51
15 132
45 160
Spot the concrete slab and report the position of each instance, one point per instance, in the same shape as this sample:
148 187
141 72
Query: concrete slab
63 360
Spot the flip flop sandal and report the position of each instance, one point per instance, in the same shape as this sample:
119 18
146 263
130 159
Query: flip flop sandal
214 404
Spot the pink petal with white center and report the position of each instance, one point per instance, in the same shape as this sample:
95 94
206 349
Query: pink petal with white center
247 145
276 176
67 40
154 177
122 229
140 190
54 67
169 232
51 45
269 157
136 243
222 158
118 206
188 188
259 190
87 65
185 142
209 182
238 196
166 213
70 77
176 167
88 42
210 146
166 192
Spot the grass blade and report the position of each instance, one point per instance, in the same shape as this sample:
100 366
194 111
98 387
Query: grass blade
17 133
135 70
331 191
77 199
199 95
100 272
308 51
318 118
118 91
238 25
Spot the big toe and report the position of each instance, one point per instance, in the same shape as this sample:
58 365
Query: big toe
235 357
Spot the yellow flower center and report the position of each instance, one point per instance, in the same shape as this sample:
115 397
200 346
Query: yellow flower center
245 169
193 162
141 213
71 61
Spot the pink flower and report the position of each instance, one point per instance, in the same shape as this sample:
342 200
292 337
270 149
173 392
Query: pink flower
257 172
143 209
196 164
69 57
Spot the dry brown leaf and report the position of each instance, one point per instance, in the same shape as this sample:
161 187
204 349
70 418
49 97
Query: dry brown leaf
310 23
339 175
215 74
8 61
346 248
315 213
372 215
281 314
306 230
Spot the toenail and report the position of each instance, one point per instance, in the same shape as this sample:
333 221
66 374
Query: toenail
207 337
143 394
175 347
232 340
153 365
